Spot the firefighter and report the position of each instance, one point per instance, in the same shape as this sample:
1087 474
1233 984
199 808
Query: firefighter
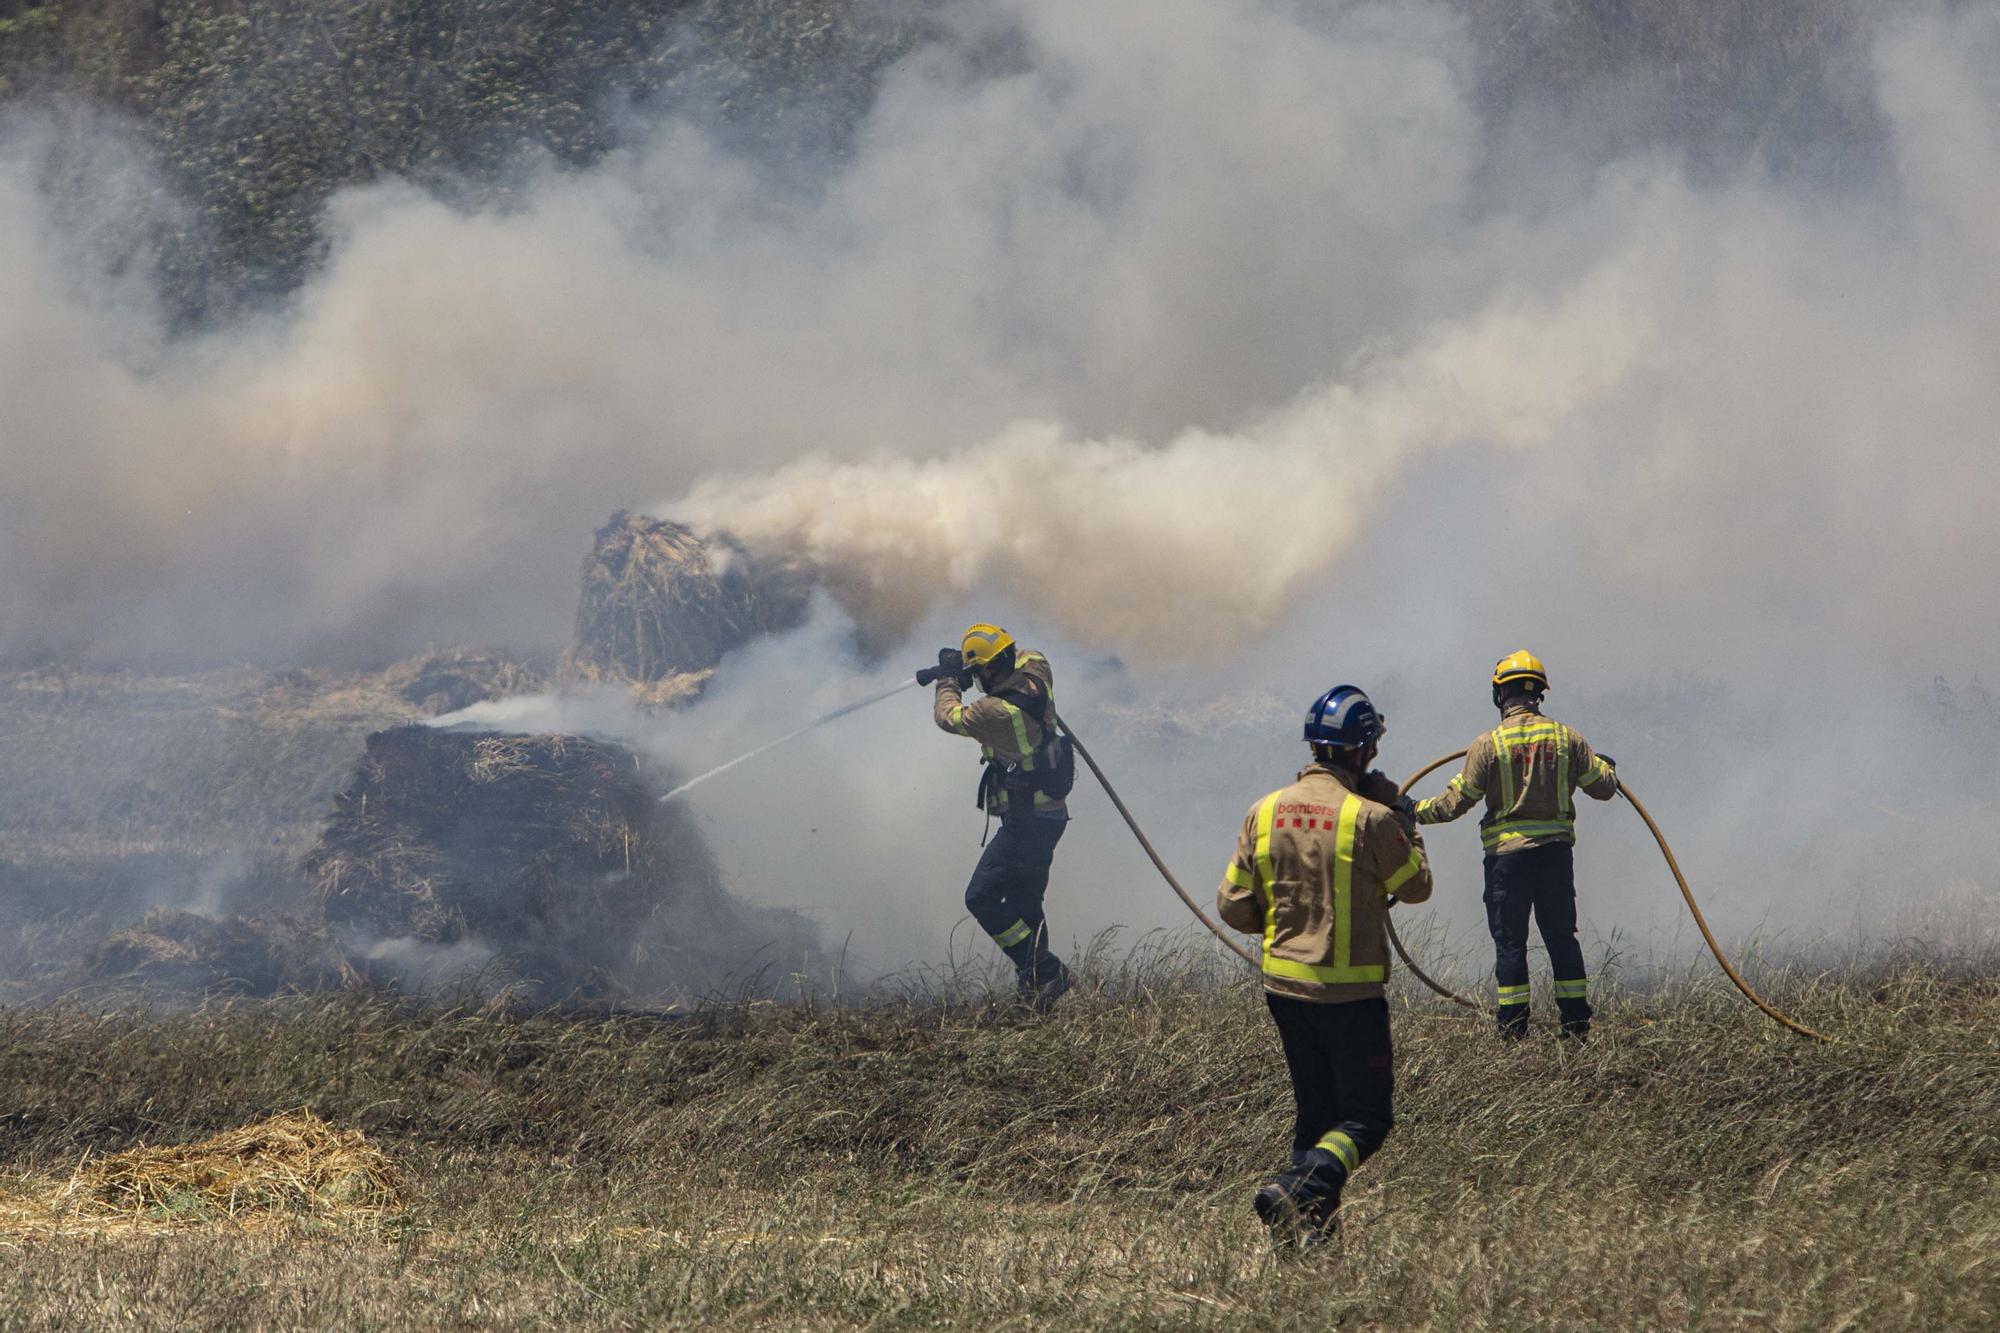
1029 771
1316 864
1527 769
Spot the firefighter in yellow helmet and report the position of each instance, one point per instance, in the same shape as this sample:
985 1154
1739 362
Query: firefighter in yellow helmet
1029 770
1315 865
1527 771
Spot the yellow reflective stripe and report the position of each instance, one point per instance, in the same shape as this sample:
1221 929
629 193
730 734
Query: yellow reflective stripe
1565 799
1402 875
1020 721
1326 976
1341 1146
956 717
1239 877
1013 935
1598 770
1266 813
1339 971
1343 882
1513 995
1526 828
1570 990
1464 788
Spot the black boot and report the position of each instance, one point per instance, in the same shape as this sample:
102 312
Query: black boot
1302 1209
1045 983
1291 1228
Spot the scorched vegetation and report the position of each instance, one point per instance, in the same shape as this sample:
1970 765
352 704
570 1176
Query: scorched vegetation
931 1160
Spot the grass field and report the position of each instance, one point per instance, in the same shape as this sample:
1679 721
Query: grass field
928 1159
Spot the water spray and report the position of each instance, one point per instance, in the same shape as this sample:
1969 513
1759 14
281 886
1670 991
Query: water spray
813 725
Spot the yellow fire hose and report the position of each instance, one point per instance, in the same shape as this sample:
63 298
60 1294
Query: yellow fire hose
1228 941
1674 865
1234 947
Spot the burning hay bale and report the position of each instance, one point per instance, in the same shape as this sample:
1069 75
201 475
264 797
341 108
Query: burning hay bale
282 1171
551 852
244 955
660 607
445 682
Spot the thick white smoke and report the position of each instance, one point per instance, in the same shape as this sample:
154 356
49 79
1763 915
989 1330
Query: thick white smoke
1200 332
1171 550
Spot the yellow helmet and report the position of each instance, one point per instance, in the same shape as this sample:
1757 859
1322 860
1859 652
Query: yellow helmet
983 643
1522 666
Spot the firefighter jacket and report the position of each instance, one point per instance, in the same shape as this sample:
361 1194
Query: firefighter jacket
1314 867
1006 733
1528 769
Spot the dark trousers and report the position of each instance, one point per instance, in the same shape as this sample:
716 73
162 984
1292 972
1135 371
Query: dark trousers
1005 895
1343 1084
1541 880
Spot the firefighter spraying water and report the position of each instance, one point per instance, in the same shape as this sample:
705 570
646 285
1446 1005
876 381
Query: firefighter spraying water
1025 784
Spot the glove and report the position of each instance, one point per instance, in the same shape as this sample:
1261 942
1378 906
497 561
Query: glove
1406 806
951 662
1380 787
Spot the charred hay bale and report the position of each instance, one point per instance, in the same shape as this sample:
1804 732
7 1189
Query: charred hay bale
660 606
259 955
456 678
551 851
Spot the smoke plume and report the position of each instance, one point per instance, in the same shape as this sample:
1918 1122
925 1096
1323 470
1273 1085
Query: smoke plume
1252 345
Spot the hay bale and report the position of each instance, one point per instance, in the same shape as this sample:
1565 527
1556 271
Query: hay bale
551 851
240 955
660 606
283 1170
456 678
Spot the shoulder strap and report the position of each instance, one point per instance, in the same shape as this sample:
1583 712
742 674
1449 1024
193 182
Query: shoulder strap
1035 705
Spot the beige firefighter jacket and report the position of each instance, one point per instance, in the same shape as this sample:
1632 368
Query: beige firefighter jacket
1004 732
1314 867
1528 769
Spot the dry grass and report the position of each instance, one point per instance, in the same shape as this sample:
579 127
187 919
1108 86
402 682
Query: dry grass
932 1160
284 1171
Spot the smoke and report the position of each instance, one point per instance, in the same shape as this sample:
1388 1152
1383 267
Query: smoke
1245 343
1760 391
1152 280
1154 549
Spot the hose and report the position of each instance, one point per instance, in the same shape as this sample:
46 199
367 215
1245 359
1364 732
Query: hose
1680 879
1144 842
1389 919
1396 940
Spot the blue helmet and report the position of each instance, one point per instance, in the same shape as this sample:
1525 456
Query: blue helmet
1343 718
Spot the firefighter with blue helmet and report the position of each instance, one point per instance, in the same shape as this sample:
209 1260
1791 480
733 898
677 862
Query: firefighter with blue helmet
1029 770
1316 868
1527 770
